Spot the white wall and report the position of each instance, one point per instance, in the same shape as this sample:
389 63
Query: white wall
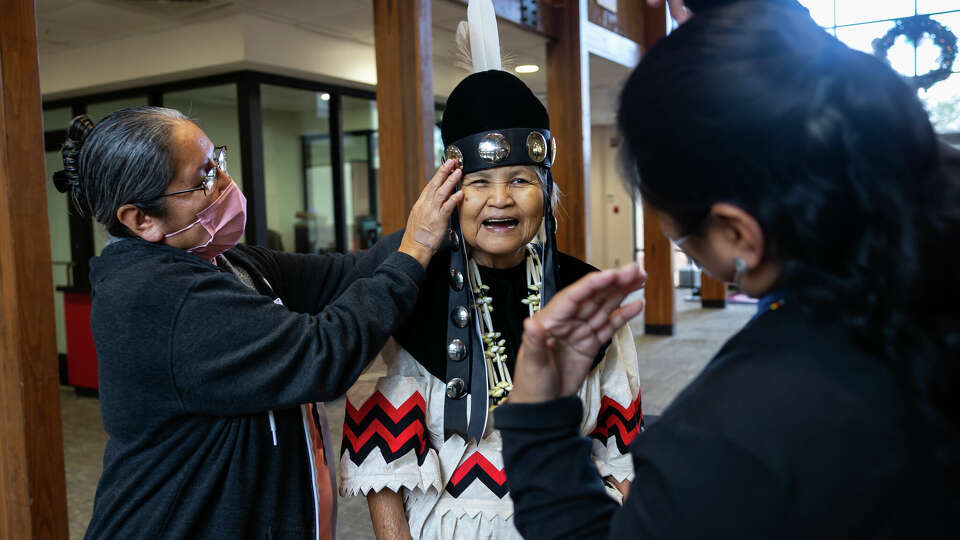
611 233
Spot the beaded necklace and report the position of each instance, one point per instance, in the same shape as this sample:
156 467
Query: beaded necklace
499 383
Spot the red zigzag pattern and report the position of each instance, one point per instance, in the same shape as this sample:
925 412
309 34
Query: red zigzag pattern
378 424
477 467
623 423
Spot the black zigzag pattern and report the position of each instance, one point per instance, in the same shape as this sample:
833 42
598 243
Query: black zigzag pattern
477 473
621 427
360 450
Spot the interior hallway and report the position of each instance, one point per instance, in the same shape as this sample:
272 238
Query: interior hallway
666 365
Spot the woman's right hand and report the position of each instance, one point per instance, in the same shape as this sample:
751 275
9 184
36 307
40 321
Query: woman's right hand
430 215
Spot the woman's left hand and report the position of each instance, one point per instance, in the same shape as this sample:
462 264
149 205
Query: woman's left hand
560 341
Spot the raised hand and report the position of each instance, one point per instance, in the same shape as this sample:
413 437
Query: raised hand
430 215
561 341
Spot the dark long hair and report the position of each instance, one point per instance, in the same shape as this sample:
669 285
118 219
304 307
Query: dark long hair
752 104
126 158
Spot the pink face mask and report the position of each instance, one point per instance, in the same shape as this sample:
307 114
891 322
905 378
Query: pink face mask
224 220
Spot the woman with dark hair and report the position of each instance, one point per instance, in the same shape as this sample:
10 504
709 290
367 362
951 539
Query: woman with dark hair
808 173
214 357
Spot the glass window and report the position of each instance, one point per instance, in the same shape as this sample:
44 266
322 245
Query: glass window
859 22
936 6
98 111
298 174
361 165
821 11
58 216
861 37
57 119
859 11
942 102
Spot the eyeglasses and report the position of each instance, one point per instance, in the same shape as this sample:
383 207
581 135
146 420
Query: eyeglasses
210 178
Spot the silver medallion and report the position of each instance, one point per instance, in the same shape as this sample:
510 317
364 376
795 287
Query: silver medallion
493 148
456 350
536 146
454 239
460 316
456 280
456 388
452 152
553 150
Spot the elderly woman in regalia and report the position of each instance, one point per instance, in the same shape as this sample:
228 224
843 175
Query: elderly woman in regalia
421 447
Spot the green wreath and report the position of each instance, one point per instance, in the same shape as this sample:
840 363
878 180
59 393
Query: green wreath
913 28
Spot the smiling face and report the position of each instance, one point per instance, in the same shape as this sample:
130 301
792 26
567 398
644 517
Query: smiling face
501 212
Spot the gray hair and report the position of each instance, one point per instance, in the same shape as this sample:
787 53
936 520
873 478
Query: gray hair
555 196
125 159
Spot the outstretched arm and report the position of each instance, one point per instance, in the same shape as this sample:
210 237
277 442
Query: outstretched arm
556 488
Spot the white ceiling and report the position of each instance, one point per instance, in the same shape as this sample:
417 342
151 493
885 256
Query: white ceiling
69 24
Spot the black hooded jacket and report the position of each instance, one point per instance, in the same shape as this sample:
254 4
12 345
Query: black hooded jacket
191 361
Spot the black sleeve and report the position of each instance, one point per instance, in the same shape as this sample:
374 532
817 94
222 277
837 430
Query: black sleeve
690 483
556 489
306 282
266 356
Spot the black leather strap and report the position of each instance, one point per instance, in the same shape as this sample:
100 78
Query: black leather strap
455 409
517 137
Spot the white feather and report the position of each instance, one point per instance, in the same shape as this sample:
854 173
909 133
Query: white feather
484 37
462 54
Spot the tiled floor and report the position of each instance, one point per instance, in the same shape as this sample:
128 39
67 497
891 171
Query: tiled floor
666 365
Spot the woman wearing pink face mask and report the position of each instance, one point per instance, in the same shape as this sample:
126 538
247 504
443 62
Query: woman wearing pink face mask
214 357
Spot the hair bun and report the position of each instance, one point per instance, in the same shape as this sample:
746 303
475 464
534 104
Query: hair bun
69 178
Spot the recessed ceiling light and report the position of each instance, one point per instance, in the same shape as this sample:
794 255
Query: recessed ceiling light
325 96
527 68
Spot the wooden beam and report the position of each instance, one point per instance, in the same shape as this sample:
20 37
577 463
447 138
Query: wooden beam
404 104
660 310
32 485
568 102
713 293
659 314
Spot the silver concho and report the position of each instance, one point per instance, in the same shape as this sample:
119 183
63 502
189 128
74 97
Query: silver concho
456 388
553 150
456 350
452 152
460 316
456 280
454 239
493 148
536 146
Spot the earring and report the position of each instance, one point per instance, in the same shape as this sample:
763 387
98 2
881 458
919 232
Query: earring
739 269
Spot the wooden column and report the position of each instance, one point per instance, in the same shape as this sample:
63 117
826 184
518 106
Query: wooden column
659 314
568 102
713 293
660 310
405 104
32 484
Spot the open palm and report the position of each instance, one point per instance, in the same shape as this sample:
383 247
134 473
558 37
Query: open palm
561 341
